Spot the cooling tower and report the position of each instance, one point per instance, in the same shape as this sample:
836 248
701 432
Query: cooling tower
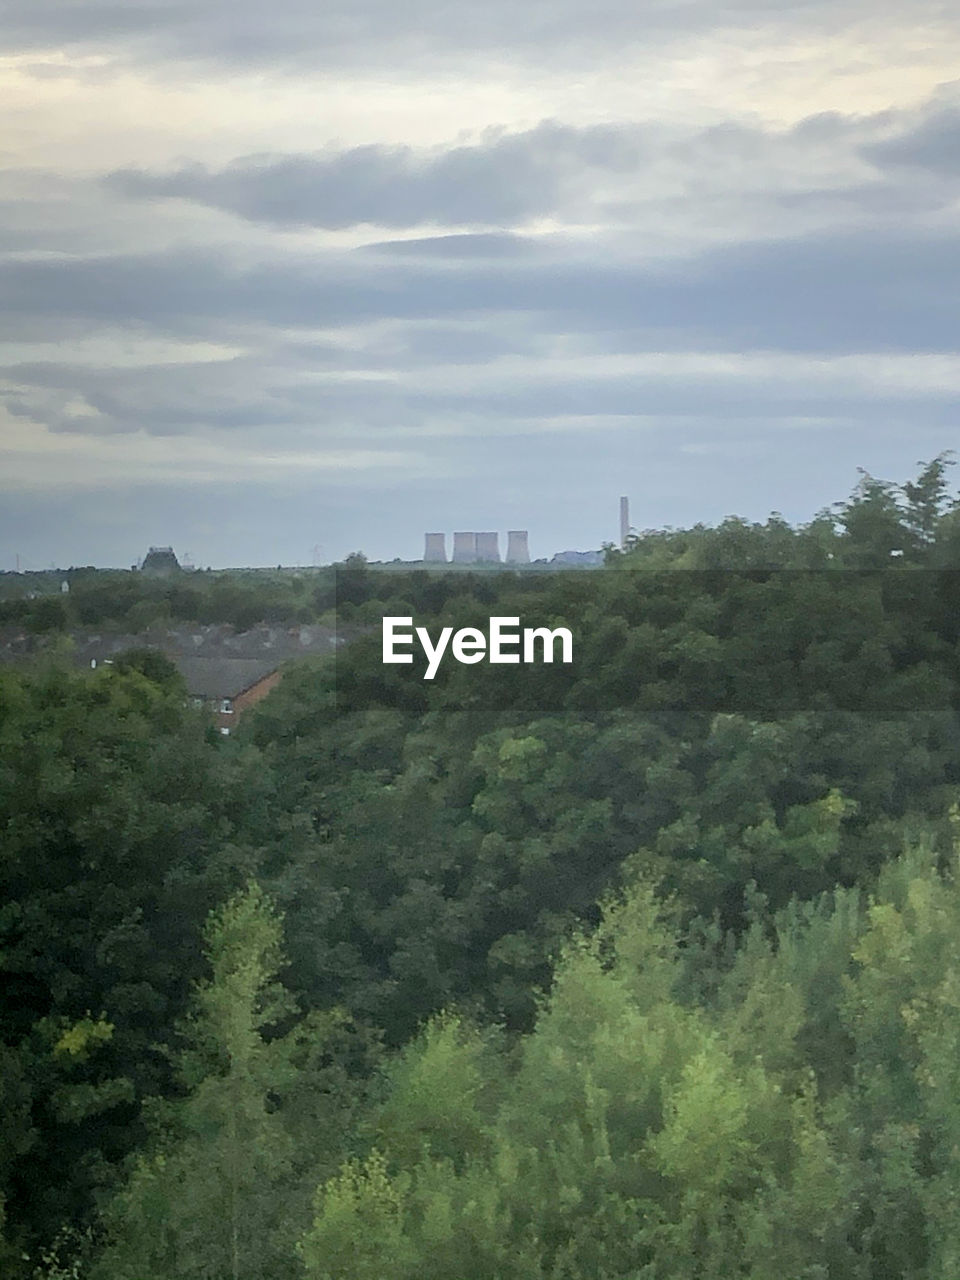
624 521
434 548
464 548
488 547
517 550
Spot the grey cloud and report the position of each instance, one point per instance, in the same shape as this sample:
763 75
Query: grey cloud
499 181
415 326
886 200
807 240
849 292
301 417
303 33
275 385
933 144
163 400
671 179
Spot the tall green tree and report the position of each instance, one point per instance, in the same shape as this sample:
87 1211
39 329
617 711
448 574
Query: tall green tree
208 1198
927 500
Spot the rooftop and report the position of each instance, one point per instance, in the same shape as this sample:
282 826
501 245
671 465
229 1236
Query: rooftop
223 677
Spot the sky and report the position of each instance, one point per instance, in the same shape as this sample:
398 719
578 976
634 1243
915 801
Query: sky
283 281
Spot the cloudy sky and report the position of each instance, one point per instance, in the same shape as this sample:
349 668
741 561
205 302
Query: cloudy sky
277 277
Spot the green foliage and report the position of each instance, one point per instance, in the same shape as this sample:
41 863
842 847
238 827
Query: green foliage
207 1198
153 664
440 1095
789 730
643 1134
47 614
129 601
120 832
749 1070
221 1186
881 525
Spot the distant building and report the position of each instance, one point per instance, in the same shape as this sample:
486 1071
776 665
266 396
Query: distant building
228 686
472 547
160 562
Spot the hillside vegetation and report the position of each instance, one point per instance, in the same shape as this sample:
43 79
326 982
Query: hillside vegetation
645 966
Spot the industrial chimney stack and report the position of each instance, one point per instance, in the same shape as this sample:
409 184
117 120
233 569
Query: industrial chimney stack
517 550
624 521
434 548
464 548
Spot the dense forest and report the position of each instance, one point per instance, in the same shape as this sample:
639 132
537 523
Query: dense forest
133 602
643 967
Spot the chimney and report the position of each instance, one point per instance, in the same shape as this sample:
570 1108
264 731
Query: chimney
464 548
624 521
488 547
517 550
434 548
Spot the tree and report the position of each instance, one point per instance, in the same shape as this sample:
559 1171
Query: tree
927 499
153 664
47 614
207 1198
873 523
121 830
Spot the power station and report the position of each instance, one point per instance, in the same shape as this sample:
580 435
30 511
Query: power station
470 547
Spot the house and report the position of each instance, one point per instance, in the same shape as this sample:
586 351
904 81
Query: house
228 686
